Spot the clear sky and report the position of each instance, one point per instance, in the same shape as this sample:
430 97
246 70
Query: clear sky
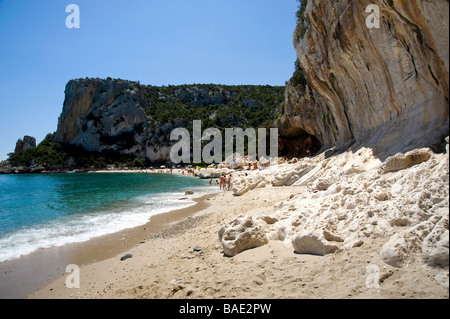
152 41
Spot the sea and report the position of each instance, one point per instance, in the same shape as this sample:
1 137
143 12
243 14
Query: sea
49 210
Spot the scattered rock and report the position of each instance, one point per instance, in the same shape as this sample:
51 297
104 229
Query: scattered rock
435 247
241 234
321 184
267 218
395 251
442 279
313 243
332 237
234 161
264 161
385 276
259 282
401 161
125 257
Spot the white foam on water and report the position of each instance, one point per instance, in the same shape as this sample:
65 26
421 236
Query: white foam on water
83 227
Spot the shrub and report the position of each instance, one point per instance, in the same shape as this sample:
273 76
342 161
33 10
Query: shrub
301 27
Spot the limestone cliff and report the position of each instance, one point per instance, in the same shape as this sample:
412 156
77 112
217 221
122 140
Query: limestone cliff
385 87
102 114
128 118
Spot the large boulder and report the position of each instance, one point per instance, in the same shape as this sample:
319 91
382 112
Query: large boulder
428 238
395 251
314 243
435 247
401 161
234 161
241 234
242 184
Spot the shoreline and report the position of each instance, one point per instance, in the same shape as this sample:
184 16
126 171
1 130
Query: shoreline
22 276
187 261
179 171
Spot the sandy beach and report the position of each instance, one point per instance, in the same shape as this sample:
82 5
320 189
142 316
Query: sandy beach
20 277
164 264
347 226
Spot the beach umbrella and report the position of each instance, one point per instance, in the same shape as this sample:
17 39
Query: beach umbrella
162 166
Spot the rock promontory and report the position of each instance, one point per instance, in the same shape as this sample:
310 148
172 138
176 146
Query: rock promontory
387 86
128 118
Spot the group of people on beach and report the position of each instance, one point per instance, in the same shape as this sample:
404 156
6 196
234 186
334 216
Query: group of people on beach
224 182
188 171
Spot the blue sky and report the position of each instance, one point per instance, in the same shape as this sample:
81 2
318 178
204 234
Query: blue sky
152 41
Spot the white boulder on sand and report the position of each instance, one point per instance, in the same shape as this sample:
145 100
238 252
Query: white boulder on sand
241 234
313 243
353 198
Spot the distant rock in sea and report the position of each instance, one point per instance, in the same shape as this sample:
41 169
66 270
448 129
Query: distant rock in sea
24 144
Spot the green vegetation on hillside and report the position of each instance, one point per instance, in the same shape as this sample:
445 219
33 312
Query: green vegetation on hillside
236 106
217 106
301 27
298 80
53 156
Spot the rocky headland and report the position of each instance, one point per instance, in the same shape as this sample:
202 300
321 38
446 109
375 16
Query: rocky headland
132 119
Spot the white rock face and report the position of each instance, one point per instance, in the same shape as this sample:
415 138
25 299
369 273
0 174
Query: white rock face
369 86
354 198
395 251
435 247
235 161
241 234
206 173
103 115
275 175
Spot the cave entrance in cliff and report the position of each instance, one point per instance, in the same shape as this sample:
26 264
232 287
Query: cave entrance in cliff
296 143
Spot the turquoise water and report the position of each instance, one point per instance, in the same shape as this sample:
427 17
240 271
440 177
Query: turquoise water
40 211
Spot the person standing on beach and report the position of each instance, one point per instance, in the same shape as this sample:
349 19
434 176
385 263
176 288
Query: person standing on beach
222 182
229 182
